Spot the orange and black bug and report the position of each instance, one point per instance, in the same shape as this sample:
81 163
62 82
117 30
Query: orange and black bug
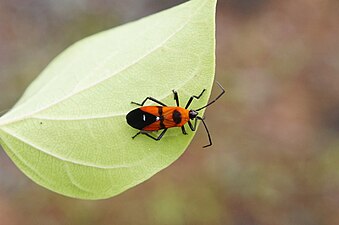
154 118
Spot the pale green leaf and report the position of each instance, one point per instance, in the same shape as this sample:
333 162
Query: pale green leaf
68 132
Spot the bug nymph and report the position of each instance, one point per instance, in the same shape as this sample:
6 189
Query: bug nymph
153 118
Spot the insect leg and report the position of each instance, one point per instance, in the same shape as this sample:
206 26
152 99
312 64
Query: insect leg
183 130
136 135
151 99
191 125
156 138
194 96
176 98
210 103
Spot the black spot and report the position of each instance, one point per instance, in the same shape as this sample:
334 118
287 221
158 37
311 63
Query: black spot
176 116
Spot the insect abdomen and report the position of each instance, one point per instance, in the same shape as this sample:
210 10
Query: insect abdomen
140 119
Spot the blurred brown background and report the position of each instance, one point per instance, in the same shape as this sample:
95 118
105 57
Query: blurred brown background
275 158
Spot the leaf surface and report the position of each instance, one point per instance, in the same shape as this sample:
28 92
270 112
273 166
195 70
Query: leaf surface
68 132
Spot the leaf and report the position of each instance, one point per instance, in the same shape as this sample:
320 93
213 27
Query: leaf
68 132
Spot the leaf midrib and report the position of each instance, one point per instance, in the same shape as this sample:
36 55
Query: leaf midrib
86 164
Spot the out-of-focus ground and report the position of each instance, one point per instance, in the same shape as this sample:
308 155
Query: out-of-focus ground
275 158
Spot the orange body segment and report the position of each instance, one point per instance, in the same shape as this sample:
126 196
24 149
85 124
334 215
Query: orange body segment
167 117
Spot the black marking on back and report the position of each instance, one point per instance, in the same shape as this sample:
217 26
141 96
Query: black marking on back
140 119
176 116
162 125
161 118
160 110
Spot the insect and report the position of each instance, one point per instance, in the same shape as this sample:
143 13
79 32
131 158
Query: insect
154 118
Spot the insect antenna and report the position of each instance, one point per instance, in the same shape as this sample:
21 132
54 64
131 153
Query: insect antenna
208 133
210 103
